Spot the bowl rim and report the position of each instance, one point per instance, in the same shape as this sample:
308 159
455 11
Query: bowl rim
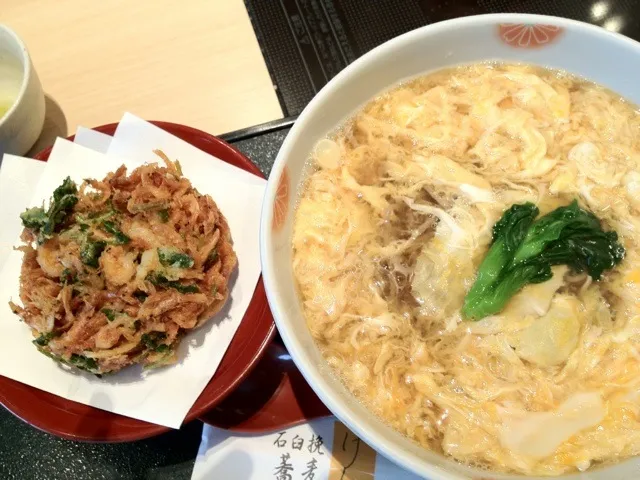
26 73
312 374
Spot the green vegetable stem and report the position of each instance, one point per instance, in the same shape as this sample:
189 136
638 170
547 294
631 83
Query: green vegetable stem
508 233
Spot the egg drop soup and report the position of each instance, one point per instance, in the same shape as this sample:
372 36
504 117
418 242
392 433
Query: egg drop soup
393 221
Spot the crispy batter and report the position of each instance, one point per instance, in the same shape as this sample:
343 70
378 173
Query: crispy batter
137 262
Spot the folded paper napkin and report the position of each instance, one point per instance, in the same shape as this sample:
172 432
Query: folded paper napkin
319 450
18 177
164 396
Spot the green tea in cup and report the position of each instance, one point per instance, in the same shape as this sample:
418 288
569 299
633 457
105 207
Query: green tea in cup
11 74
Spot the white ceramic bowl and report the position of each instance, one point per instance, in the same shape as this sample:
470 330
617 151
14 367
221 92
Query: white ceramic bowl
22 123
588 51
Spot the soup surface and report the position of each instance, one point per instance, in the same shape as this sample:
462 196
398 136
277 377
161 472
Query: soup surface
393 222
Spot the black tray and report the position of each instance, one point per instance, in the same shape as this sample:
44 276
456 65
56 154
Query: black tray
307 42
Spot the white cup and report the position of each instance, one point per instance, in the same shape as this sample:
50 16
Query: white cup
21 90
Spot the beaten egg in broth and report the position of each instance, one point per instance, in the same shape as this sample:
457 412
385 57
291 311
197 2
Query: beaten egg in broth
395 217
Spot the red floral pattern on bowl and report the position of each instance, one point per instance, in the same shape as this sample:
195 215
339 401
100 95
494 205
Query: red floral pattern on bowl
281 204
524 35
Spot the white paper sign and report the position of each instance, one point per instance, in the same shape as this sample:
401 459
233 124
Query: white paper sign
164 396
323 449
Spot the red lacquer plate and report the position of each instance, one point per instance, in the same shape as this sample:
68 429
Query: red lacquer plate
79 422
274 395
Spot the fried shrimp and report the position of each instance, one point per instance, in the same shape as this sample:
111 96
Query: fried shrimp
117 270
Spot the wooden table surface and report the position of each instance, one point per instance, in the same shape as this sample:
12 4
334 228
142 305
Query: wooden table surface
195 62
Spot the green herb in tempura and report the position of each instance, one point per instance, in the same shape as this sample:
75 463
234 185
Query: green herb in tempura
44 339
68 277
523 252
153 341
212 258
171 257
84 363
119 238
109 313
97 218
68 187
34 218
157 205
91 251
65 198
140 295
164 215
160 280
46 223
